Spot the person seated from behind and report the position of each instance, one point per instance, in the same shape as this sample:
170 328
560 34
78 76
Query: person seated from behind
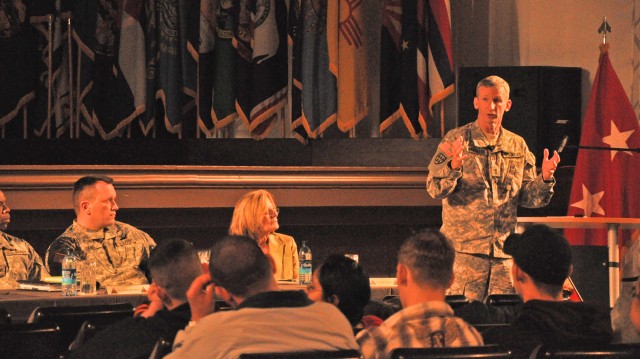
340 280
266 319
256 216
623 329
541 263
423 274
18 259
174 264
118 249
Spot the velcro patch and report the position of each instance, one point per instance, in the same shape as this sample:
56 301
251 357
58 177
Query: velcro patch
440 158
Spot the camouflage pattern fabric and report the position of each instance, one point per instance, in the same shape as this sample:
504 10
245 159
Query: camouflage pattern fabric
477 276
480 200
118 251
18 261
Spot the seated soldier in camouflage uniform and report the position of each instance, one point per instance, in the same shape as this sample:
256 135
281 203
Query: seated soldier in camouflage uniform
482 172
117 248
18 260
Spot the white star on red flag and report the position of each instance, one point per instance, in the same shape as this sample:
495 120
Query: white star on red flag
617 139
590 203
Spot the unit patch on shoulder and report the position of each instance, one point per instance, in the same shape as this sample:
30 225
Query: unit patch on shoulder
440 158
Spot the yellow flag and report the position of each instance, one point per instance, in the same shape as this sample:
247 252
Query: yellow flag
347 60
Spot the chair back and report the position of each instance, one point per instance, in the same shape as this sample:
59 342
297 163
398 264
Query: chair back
5 317
89 328
481 352
319 354
456 300
70 319
589 351
498 300
29 340
482 327
162 348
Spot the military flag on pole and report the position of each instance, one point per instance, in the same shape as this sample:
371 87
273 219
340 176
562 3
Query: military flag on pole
348 60
314 88
416 68
261 69
18 54
605 182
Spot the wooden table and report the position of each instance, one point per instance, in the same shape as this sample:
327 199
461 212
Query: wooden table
20 303
611 224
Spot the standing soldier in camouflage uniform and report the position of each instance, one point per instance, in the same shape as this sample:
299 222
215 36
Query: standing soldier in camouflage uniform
18 260
482 172
117 248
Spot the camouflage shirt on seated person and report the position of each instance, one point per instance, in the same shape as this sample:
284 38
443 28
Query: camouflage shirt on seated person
18 261
118 251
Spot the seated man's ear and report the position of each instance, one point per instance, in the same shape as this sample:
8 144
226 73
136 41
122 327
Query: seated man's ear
402 274
453 279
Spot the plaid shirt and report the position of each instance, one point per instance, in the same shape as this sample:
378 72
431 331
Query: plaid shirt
424 325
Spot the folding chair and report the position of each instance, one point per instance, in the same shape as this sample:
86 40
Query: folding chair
588 351
162 348
481 352
70 319
5 317
498 300
331 354
29 340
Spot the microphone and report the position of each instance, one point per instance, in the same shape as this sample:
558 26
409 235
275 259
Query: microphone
563 143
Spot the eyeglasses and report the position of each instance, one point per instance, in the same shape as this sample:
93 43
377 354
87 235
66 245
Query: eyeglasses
273 213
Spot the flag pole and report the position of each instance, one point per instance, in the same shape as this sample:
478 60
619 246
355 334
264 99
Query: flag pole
604 28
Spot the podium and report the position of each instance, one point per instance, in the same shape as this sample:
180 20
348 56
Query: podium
611 224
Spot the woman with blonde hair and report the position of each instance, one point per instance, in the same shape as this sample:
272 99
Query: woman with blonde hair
256 216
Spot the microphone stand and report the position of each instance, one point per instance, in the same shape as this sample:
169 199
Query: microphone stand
603 148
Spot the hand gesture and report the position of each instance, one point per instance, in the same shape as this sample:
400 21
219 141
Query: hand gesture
455 150
156 298
201 297
549 165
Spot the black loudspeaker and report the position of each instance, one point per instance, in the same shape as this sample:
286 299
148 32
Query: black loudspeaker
546 104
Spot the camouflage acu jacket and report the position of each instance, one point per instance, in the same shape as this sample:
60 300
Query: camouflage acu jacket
479 201
18 261
118 251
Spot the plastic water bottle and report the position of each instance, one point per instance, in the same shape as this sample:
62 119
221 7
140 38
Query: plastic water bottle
306 271
69 270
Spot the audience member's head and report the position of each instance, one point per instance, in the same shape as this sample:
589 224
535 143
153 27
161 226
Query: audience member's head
174 264
425 267
341 281
255 216
94 201
238 265
541 262
5 217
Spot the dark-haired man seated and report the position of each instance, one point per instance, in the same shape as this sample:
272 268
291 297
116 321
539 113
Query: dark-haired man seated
265 320
424 273
118 248
541 263
341 281
174 264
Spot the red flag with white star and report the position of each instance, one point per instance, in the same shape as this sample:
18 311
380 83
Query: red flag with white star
606 183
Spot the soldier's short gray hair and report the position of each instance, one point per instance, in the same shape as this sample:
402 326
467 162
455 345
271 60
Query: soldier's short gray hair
495 82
